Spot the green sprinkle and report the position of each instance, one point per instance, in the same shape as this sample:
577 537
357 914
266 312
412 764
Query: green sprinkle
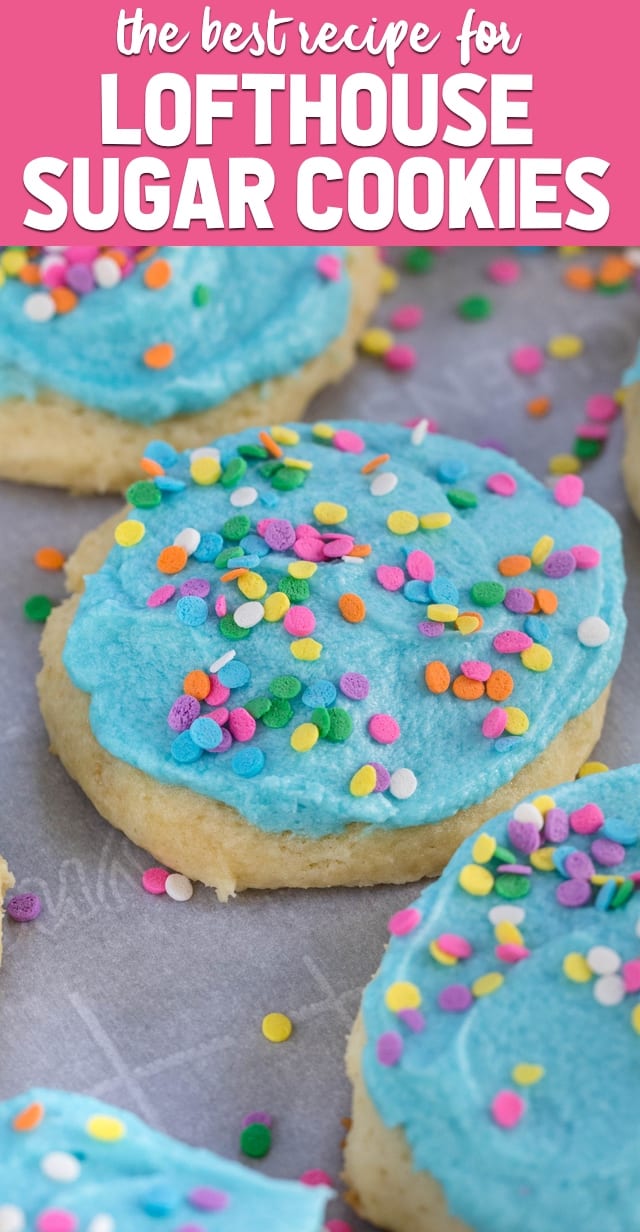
37 608
322 719
279 713
612 289
512 885
258 706
475 308
286 478
269 468
226 555
144 494
285 687
418 260
230 629
236 528
487 594
460 498
233 472
255 1140
622 894
504 856
201 295
254 453
585 448
296 589
340 725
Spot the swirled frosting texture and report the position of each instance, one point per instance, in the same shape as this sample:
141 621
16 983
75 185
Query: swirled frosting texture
267 311
571 1158
132 658
102 1168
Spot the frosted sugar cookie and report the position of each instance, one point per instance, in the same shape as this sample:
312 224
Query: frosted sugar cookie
325 655
6 883
102 350
495 1057
69 1163
631 459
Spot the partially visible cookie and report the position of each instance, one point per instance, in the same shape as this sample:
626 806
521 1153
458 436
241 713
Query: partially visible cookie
631 458
6 883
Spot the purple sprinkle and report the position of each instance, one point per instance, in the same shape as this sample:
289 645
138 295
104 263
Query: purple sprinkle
578 865
455 998
80 278
183 712
556 826
24 907
606 852
523 870
524 836
389 1048
162 595
559 564
196 586
383 778
431 628
573 893
413 1019
225 743
490 442
205 1199
518 600
279 534
355 686
257 1118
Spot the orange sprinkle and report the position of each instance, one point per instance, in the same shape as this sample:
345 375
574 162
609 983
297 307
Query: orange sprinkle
468 690
579 278
374 463
49 558
536 606
28 1119
500 685
157 275
197 684
30 274
145 253
151 466
159 356
360 549
172 559
437 676
232 574
548 601
539 407
117 255
64 299
511 566
614 270
463 620
352 608
271 445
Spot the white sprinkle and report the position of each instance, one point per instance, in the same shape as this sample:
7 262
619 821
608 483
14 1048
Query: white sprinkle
383 483
60 1166
204 451
40 306
403 783
352 560
243 496
529 813
609 990
638 927
106 272
419 432
102 1223
512 914
189 539
12 1219
603 960
633 255
178 887
248 614
224 659
593 631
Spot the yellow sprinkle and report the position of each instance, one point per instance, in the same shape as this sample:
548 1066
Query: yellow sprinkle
537 658
306 648
576 968
363 781
486 984
569 250
275 606
304 737
542 859
483 848
527 1075
284 436
322 432
13 260
388 280
402 996
252 585
508 934
543 804
205 471
466 624
2 278
517 721
592 767
447 960
375 341
564 464
302 568
565 346
635 1018
401 522
542 549
620 395
599 879
329 513
128 533
298 464
446 612
476 880
105 1128
276 1028
435 521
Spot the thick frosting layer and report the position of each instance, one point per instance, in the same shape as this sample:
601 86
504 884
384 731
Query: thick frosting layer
353 731
231 316
517 1084
69 1163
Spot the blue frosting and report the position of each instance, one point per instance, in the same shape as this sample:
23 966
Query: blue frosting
140 1180
132 659
268 312
571 1161
632 373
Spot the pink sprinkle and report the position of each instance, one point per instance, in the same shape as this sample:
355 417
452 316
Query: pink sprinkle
337 1225
586 820
510 952
337 546
389 1048
218 693
315 1176
299 620
304 531
476 669
383 728
601 408
347 441
494 723
453 944
404 921
407 316
585 557
220 715
419 566
391 577
400 357
631 975
329 266
569 490
242 725
154 880
504 272
432 424
593 432
256 1118
162 595
507 1108
512 641
527 359
221 606
502 484
309 549
56 1221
